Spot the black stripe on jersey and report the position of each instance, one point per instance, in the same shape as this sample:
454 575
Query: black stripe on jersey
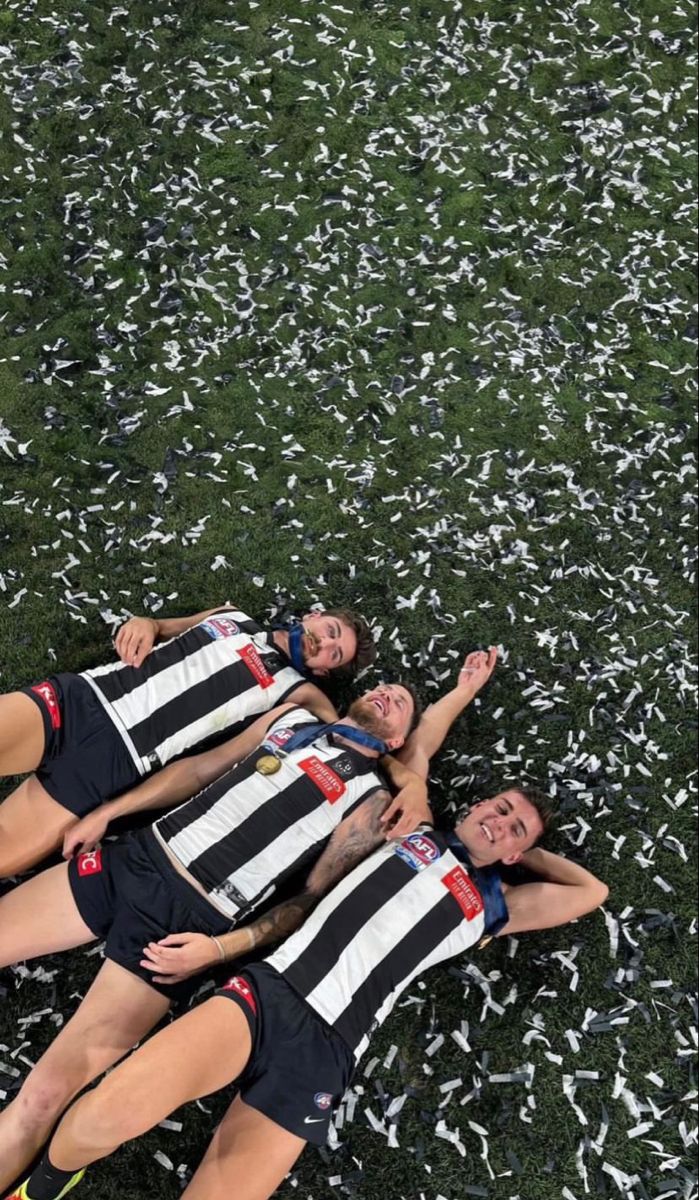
398 965
200 699
346 921
123 680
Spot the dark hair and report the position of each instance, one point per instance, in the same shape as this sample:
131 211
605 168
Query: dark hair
366 652
538 800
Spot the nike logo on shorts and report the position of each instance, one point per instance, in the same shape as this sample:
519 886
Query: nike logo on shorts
314 1120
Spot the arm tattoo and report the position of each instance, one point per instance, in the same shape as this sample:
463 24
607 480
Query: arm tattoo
281 921
351 842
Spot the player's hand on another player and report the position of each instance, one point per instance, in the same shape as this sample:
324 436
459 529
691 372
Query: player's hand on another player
86 835
135 640
477 669
408 809
180 956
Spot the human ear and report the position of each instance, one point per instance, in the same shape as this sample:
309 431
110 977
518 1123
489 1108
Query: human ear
512 859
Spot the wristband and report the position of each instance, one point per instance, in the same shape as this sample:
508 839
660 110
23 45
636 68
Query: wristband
219 947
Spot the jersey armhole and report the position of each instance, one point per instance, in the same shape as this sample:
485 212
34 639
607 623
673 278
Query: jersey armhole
290 711
293 687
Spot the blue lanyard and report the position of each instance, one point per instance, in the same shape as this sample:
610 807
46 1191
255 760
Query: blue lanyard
309 733
296 648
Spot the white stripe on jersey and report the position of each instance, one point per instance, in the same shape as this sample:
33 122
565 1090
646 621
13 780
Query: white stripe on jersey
177 680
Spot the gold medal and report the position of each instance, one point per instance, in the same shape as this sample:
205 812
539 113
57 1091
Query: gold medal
268 764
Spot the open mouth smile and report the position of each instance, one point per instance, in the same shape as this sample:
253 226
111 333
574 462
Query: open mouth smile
487 833
381 704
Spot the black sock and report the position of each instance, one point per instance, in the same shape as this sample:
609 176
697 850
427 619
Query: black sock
47 1182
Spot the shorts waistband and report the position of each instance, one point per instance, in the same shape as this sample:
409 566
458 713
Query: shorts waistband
178 884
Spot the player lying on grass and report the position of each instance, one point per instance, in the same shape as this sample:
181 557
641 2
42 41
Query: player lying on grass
90 736
291 1030
201 871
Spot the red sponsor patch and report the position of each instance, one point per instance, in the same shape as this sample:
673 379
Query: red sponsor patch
255 666
242 989
464 892
329 783
47 692
90 863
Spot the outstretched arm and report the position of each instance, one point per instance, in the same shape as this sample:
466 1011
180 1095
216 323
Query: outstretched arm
170 786
565 891
437 720
137 636
184 954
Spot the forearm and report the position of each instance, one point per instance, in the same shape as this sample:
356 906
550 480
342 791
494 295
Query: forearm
166 788
436 722
553 868
410 787
275 925
401 775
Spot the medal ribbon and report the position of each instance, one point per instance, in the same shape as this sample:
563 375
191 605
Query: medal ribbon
309 733
296 648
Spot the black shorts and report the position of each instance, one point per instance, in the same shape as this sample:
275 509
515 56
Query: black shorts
130 894
299 1068
85 760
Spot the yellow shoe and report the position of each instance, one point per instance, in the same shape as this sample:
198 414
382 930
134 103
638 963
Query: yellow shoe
23 1194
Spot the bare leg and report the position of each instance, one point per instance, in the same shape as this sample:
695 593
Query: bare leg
203 1051
117 1012
248 1151
22 737
32 826
41 917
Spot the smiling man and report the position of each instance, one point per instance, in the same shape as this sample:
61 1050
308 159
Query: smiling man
292 1029
178 683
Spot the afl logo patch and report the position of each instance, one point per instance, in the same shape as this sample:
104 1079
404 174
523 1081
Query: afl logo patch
323 1101
280 737
418 851
220 627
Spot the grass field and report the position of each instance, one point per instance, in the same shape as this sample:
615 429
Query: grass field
391 305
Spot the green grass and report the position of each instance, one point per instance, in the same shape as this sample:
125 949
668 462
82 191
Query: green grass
438 194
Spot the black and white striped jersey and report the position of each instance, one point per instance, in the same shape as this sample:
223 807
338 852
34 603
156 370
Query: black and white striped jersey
412 904
200 684
245 833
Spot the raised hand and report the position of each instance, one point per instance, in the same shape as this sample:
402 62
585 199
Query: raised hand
477 669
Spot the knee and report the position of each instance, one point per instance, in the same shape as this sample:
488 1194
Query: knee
103 1119
42 1098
